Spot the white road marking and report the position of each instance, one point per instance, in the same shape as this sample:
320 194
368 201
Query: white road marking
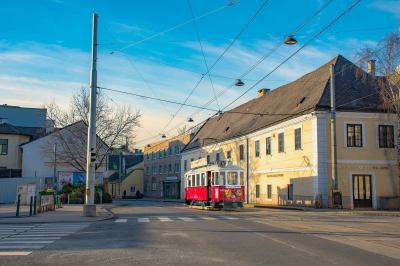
15 253
21 247
231 218
121 220
143 220
187 219
25 242
164 219
207 218
31 238
37 235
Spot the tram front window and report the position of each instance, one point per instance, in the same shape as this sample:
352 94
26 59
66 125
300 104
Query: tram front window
189 181
203 179
193 181
222 178
233 178
197 179
241 174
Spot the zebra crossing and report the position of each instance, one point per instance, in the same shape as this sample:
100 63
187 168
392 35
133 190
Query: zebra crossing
34 236
172 219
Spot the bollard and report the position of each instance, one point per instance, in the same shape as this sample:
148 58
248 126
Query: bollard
58 202
34 205
18 202
54 202
101 199
68 198
30 207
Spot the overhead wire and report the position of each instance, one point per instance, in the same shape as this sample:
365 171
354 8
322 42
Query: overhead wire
119 50
202 51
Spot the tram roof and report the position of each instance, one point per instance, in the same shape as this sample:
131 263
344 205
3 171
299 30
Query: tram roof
214 167
309 93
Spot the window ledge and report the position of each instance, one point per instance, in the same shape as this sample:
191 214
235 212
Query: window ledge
298 150
269 155
346 147
269 199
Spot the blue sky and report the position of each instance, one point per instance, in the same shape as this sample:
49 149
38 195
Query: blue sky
45 49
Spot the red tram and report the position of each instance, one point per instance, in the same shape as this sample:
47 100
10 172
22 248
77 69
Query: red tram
218 186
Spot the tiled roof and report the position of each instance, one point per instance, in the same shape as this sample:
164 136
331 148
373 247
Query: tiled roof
282 103
130 160
34 132
115 176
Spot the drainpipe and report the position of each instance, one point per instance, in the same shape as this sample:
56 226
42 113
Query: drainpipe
333 135
248 170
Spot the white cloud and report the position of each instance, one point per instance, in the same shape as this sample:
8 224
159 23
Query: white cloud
388 6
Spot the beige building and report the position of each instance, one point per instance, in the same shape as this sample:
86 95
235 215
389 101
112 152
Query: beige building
283 141
162 166
131 181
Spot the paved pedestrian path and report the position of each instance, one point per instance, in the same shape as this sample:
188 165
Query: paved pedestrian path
174 219
29 237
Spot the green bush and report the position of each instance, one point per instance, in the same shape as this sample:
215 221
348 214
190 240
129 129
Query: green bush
75 200
107 198
77 193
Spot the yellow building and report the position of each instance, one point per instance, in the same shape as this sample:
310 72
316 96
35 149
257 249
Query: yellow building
131 179
283 140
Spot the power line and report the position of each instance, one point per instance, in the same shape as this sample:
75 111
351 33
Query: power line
263 37
293 54
174 27
219 59
204 57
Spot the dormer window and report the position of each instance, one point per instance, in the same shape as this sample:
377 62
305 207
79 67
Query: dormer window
301 101
226 129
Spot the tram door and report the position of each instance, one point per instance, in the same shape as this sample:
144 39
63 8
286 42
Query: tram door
362 193
208 186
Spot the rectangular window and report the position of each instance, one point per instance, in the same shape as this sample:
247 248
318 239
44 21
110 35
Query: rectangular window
197 180
233 178
386 136
217 156
185 165
290 191
257 191
189 180
147 171
177 150
160 169
354 135
241 152
281 142
169 168
165 169
215 180
160 154
148 156
228 154
177 167
147 185
154 170
297 139
241 174
268 146
193 180
208 159
154 155
257 148
269 191
154 186
165 152
170 151
160 185
203 179
222 178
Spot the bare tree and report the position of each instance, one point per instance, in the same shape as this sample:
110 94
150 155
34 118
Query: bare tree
114 129
387 80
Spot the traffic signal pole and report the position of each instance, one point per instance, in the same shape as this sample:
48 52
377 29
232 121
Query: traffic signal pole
89 209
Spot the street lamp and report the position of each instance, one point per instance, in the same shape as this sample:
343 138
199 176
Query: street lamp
190 120
290 40
239 83
163 136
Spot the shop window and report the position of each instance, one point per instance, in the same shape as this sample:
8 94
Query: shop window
269 191
268 146
297 139
386 136
290 191
354 135
257 148
257 191
281 142
241 152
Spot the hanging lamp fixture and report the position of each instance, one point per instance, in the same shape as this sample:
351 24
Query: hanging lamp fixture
239 83
290 40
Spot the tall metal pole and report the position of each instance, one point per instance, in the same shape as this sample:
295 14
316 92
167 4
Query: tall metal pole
333 133
55 171
89 209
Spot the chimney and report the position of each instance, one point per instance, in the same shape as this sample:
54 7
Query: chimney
262 92
371 68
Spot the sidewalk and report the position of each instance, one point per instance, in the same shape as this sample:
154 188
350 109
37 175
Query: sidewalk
329 211
152 199
68 213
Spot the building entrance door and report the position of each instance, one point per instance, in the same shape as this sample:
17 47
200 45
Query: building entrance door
171 190
362 194
168 190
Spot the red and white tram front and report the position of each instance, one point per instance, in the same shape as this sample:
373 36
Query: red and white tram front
215 186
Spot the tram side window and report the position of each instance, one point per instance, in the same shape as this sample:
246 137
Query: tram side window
189 181
203 179
222 178
193 180
241 177
197 180
215 179
232 178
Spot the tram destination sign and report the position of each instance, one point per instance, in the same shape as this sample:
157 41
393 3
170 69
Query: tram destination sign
199 163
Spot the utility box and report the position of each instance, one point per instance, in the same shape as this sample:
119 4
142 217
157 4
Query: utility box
337 199
22 189
31 192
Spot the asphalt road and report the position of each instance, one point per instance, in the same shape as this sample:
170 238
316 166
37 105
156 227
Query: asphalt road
155 233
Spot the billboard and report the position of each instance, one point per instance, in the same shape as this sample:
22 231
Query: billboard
65 177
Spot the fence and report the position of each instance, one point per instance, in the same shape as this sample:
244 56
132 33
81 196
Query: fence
8 187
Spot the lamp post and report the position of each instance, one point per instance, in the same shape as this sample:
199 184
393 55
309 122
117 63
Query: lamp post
89 209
